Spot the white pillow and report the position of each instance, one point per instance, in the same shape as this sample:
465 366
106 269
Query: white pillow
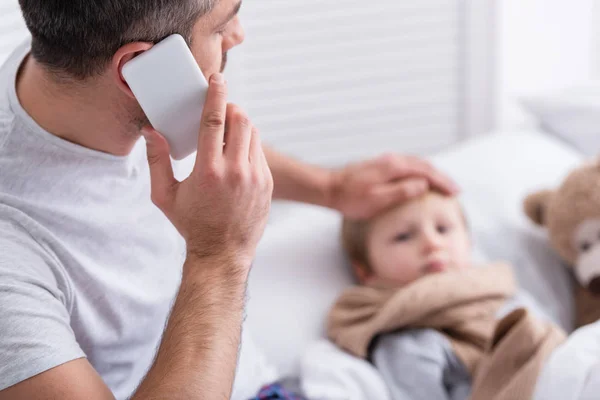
573 115
300 268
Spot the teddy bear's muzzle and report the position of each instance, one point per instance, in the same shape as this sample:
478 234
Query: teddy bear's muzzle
594 286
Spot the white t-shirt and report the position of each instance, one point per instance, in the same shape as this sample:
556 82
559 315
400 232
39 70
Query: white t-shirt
89 267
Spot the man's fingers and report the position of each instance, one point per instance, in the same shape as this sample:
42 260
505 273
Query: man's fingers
255 154
265 164
238 135
398 168
390 194
258 159
162 179
437 179
444 184
212 128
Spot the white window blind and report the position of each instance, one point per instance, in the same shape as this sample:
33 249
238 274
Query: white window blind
12 27
333 80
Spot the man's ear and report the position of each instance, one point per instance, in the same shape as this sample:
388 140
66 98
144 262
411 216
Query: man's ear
361 272
536 206
122 56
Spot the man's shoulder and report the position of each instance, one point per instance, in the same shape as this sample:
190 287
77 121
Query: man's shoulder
23 255
17 229
35 304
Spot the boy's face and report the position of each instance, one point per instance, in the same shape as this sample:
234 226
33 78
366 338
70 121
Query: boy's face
425 236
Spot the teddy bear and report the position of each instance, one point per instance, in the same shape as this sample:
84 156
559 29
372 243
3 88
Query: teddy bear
571 215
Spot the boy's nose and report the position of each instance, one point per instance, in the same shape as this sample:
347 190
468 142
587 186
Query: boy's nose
432 242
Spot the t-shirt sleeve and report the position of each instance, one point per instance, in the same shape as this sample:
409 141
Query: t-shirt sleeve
35 331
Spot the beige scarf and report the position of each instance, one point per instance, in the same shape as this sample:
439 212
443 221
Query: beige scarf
463 306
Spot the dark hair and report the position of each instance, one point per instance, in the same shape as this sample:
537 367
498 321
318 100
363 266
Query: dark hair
79 37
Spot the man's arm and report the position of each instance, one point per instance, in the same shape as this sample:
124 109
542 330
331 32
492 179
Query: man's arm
298 181
358 190
199 349
196 358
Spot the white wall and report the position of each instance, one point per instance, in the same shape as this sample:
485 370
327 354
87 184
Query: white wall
543 45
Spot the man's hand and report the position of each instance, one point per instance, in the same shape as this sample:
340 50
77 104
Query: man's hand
221 209
362 190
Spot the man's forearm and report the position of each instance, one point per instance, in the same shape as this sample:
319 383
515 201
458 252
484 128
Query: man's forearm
198 353
297 181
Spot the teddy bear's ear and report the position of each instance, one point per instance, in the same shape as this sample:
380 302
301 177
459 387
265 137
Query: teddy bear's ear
536 205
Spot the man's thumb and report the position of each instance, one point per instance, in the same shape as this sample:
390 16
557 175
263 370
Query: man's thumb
161 170
402 191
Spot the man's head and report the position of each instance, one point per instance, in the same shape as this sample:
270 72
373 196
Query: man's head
426 235
86 43
81 38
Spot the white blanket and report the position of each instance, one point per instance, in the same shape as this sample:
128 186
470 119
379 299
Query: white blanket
573 370
331 374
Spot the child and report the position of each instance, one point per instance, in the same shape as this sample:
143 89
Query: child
427 319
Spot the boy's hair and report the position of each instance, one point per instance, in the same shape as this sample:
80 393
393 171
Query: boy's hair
77 38
354 241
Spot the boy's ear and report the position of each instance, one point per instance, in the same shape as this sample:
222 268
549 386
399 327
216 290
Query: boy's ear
361 272
536 206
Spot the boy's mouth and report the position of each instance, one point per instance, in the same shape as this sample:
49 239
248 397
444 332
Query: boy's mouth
435 266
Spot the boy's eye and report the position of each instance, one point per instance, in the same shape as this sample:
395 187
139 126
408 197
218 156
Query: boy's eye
443 229
585 247
402 237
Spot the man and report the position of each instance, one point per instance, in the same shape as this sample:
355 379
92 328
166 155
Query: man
102 295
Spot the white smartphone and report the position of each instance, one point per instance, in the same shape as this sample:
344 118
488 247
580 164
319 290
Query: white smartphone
171 89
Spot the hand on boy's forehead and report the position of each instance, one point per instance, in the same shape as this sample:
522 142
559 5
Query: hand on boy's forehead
363 190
